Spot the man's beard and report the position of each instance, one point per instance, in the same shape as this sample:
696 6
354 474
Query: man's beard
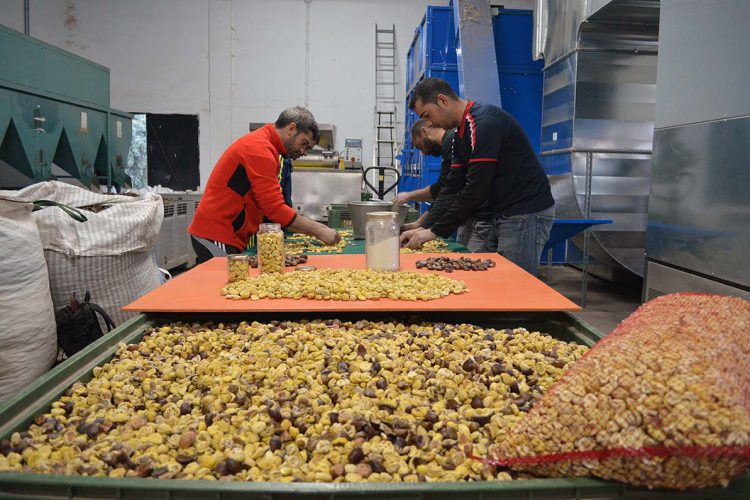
432 147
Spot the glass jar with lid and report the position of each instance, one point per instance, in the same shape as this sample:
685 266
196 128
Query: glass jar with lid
270 248
238 267
382 245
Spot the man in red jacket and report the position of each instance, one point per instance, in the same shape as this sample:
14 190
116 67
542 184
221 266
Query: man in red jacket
243 190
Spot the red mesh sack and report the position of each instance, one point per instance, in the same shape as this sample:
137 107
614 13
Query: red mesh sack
662 402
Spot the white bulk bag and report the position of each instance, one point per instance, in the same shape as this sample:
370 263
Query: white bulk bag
110 255
28 336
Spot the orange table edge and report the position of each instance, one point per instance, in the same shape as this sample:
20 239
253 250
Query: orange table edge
503 288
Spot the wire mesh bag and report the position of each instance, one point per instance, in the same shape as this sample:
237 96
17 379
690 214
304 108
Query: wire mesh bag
662 402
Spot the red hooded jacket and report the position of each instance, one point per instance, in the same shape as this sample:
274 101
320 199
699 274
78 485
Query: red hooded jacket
243 189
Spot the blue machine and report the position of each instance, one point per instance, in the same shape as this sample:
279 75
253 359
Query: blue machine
521 79
433 54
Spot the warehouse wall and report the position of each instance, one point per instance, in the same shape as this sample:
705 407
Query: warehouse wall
231 62
11 14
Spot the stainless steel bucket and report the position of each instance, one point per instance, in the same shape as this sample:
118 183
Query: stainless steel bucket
359 210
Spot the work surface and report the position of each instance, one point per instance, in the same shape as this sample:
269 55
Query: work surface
505 287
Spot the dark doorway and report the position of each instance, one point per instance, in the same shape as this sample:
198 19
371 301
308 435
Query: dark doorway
173 151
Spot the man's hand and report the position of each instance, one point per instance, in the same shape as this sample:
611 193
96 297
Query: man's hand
302 224
415 238
416 224
410 226
402 198
328 236
406 236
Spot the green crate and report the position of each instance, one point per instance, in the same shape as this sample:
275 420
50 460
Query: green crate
18 413
411 216
339 216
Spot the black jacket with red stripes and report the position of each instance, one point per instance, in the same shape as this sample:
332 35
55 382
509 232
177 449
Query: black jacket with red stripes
494 171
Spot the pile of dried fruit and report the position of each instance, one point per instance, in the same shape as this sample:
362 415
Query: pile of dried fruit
661 402
435 246
95 208
289 260
449 265
309 401
301 243
345 284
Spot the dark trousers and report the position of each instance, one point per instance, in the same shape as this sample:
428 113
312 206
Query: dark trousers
518 238
207 249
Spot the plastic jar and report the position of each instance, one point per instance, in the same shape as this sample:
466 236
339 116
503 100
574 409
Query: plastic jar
382 244
238 267
270 248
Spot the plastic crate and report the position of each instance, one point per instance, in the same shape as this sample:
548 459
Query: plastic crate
440 39
339 216
411 216
520 77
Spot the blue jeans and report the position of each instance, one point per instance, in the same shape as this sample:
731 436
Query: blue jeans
518 238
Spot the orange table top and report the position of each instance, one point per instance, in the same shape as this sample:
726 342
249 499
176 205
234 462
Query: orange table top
506 287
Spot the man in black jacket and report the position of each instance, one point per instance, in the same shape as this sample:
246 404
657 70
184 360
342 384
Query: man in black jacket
431 141
495 177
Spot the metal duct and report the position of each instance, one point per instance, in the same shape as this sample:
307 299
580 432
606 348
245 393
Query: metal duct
597 120
475 50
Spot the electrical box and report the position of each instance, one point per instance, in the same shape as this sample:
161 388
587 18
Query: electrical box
353 152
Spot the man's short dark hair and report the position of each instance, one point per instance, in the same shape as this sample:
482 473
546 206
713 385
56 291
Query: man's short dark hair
302 117
427 91
416 129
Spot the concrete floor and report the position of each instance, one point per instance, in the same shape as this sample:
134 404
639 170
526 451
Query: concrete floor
607 304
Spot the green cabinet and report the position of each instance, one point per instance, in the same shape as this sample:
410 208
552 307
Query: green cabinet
55 117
